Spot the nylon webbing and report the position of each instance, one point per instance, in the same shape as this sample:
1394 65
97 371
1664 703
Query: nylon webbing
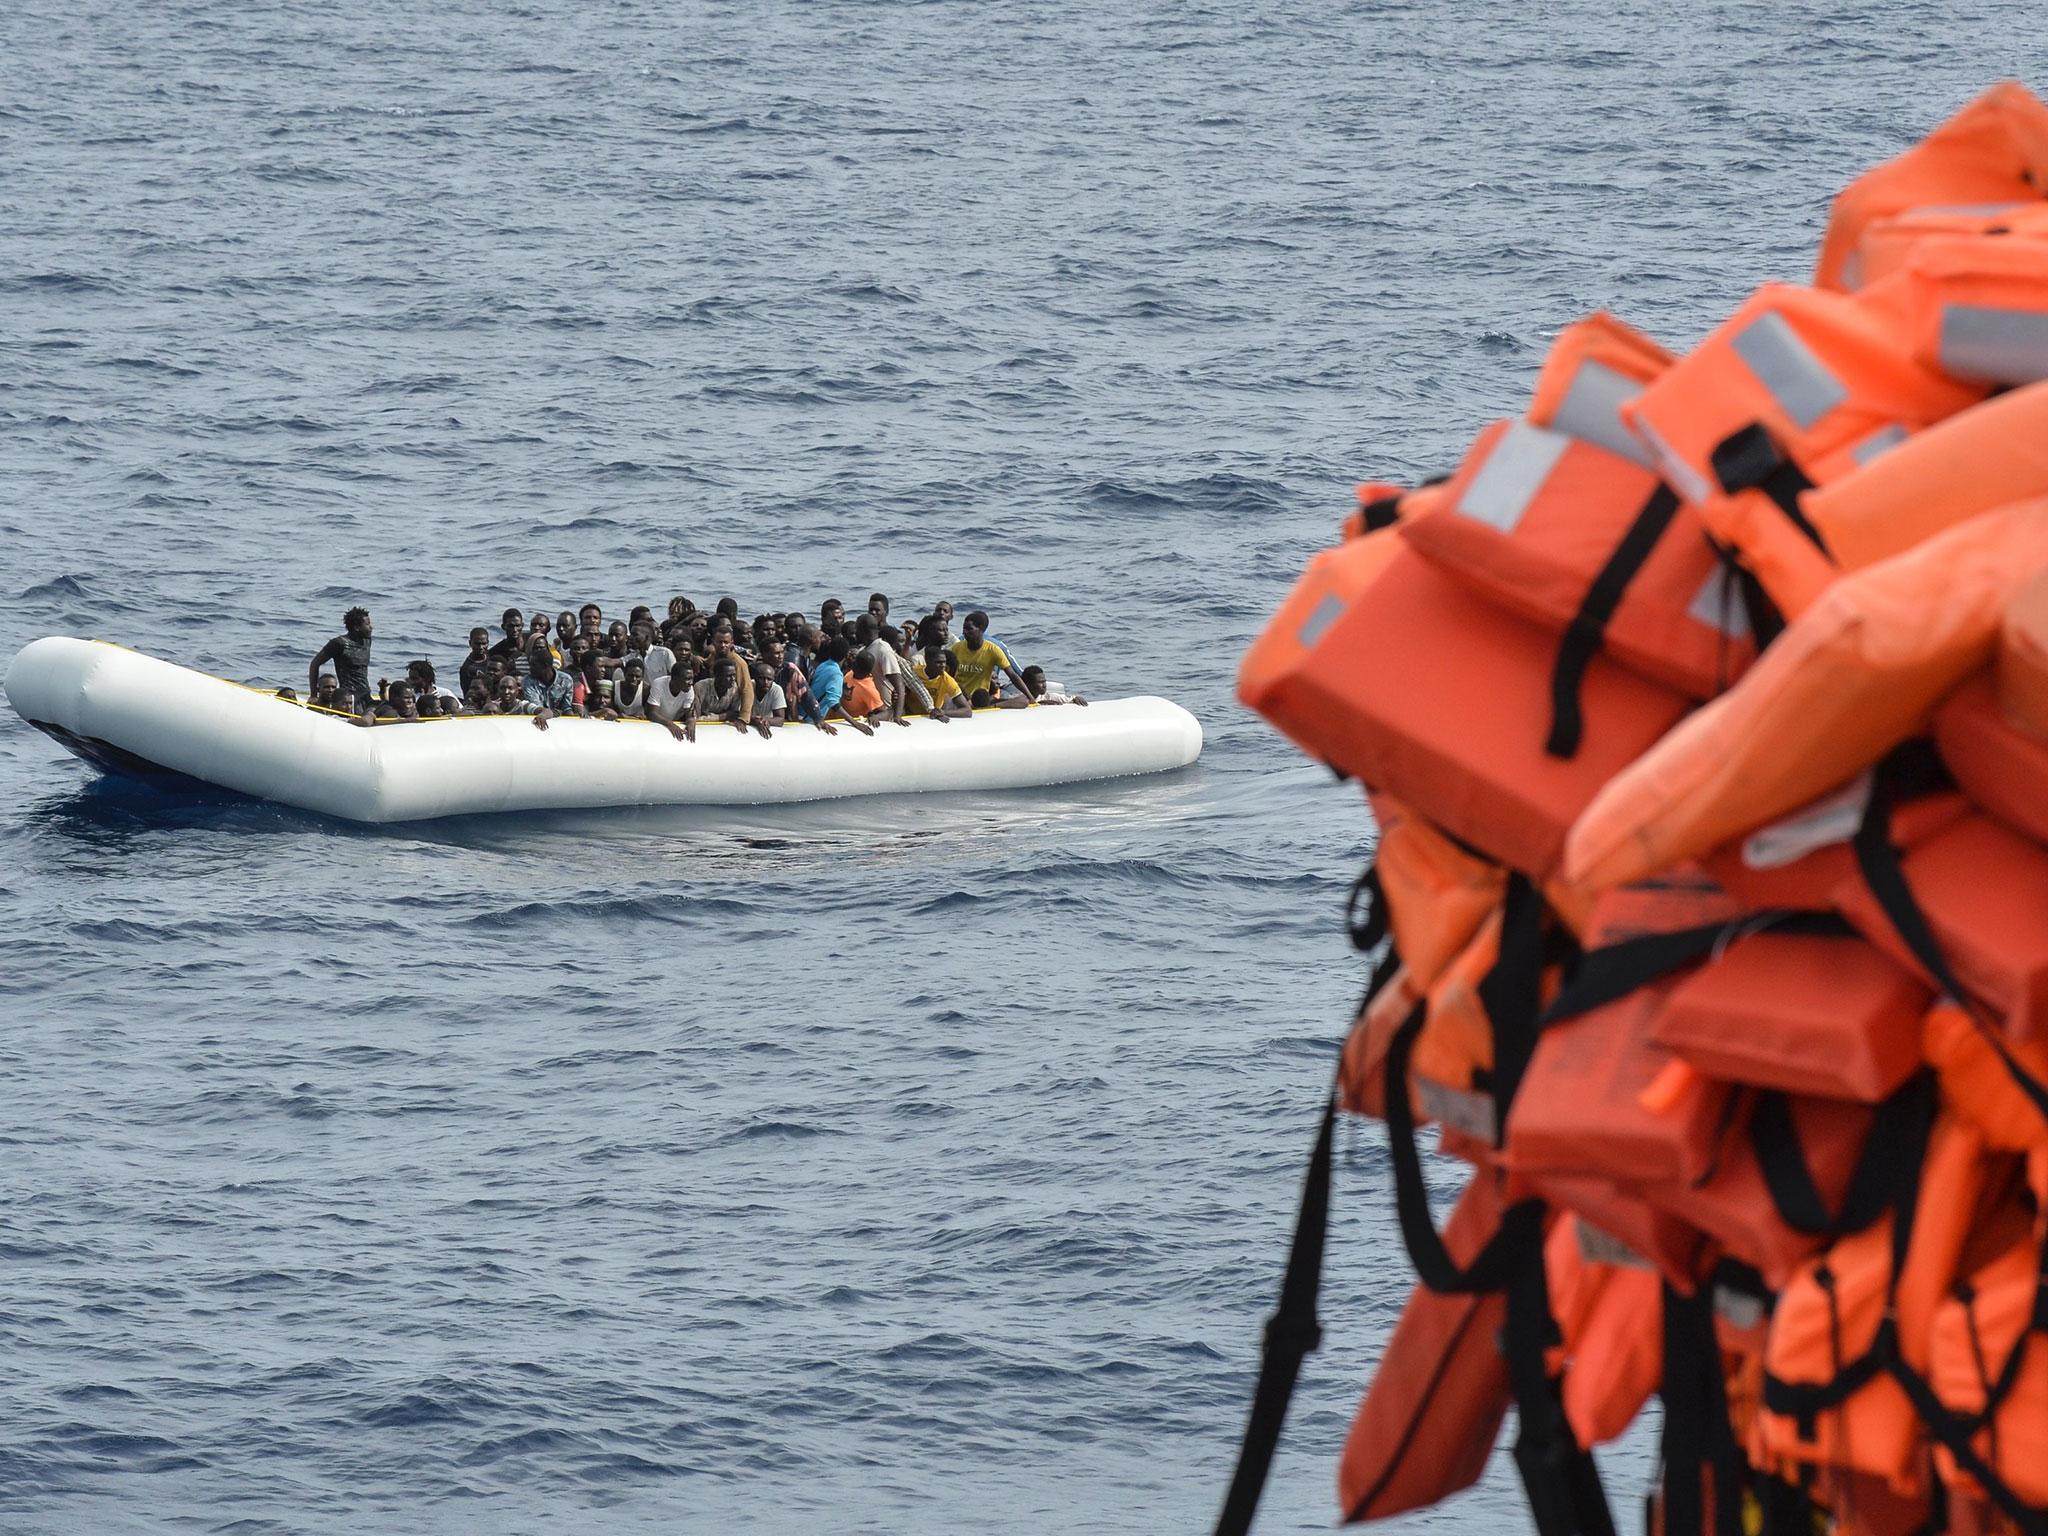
1878 862
1611 972
1898 1132
1560 1480
1292 1334
1747 459
1588 628
1380 512
1521 1226
1697 1434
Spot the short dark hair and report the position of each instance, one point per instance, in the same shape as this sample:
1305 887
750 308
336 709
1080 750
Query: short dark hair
422 668
981 699
835 649
935 658
977 618
879 597
1034 671
505 619
863 665
349 618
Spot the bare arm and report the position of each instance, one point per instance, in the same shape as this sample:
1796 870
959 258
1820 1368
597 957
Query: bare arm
327 653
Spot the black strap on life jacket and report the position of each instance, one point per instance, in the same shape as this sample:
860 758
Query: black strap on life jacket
1560 1480
1898 1130
1521 1228
1292 1334
1588 628
1748 459
1511 991
1885 876
1698 1439
1366 917
1380 512
1611 972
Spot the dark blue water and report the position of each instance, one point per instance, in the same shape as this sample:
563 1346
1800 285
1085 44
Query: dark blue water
893 1166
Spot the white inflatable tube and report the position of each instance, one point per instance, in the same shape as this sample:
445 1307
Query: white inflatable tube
92 697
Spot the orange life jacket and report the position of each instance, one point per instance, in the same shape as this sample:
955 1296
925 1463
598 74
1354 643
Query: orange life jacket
1995 150
1589 544
1889 244
1437 894
1991 454
1829 1316
1983 891
1829 378
1384 667
1800 861
1734 1204
1798 1012
1611 1347
1852 677
1999 766
1988 1363
1977 1087
1594 366
1381 504
1440 1391
1977 309
1361 1070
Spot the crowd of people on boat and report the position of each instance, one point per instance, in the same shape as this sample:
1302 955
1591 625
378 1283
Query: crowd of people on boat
694 666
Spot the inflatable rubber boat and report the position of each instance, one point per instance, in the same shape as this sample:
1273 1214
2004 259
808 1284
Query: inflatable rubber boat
129 713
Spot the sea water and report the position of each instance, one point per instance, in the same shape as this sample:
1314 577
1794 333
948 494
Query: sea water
916 1165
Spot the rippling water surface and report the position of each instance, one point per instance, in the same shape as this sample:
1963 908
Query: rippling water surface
909 1166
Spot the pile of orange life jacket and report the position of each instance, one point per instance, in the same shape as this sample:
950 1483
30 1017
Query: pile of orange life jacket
1702 710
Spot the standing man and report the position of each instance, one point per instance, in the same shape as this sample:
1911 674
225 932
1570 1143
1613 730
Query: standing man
350 653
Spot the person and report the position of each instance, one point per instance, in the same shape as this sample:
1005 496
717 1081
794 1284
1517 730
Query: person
878 605
479 654
289 695
827 694
565 631
326 692
831 615
350 653
863 700
512 700
942 613
977 658
1043 691
538 626
396 708
590 623
547 686
425 685
672 699
512 649
771 705
629 693
1037 690
890 675
947 699
719 696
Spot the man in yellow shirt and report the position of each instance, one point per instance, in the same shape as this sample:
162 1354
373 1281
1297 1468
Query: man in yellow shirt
947 699
976 658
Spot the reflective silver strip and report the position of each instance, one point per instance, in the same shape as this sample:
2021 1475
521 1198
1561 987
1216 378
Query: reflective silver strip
1591 411
1718 605
1822 823
1326 613
1852 271
1738 1309
1880 442
2000 346
1786 366
1597 1247
1683 478
1459 1108
1513 473
1960 210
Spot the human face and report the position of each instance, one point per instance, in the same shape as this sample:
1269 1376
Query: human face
539 624
643 634
479 640
508 689
401 698
591 618
832 612
775 656
678 606
361 628
565 624
973 632
727 675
